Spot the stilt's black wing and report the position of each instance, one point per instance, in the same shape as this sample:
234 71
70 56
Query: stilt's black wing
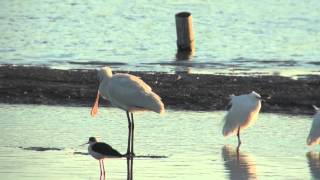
105 149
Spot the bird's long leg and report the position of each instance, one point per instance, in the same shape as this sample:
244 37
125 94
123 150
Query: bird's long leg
104 172
132 153
129 134
132 134
100 169
239 140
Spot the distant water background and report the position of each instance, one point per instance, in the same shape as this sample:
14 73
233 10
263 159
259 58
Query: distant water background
267 36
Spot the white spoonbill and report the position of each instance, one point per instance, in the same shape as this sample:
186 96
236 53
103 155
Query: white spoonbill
314 135
100 151
243 111
129 93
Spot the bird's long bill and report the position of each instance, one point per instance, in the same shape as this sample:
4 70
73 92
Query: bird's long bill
84 144
95 106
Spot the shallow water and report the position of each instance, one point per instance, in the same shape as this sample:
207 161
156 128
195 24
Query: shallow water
267 36
185 145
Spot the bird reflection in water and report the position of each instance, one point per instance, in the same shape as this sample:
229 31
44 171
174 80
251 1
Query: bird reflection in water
240 165
129 167
314 164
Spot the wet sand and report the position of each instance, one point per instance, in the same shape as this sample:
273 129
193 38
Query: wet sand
199 92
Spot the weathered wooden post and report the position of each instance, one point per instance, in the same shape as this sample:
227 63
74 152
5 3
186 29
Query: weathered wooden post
185 36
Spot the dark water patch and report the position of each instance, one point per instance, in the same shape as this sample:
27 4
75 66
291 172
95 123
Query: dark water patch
303 19
266 61
317 63
240 69
55 18
151 156
244 60
279 62
187 64
4 50
215 64
40 148
48 56
65 55
102 50
170 64
31 17
139 156
253 74
40 42
296 55
108 41
309 77
97 63
80 153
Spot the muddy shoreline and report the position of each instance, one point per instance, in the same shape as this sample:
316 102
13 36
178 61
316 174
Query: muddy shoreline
199 92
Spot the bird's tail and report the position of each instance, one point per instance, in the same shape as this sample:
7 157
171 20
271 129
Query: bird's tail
230 126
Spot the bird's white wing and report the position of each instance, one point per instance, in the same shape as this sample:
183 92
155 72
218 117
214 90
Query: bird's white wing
125 78
130 93
314 135
241 114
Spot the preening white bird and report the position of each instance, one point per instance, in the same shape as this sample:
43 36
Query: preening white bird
127 92
314 135
100 151
243 111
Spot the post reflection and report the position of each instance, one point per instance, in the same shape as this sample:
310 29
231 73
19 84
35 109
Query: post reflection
313 159
240 165
181 62
129 168
182 69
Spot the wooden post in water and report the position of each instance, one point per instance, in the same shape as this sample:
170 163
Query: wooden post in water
185 36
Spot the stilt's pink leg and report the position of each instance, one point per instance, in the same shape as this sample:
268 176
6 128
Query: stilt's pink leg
100 169
104 172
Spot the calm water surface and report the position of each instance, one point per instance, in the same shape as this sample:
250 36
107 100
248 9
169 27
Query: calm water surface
191 143
266 36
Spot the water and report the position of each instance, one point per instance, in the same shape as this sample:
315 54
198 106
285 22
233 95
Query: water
189 145
262 37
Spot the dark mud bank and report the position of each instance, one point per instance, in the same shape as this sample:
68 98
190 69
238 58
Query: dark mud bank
40 85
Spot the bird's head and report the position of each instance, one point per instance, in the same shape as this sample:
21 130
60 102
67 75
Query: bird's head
255 95
92 140
104 72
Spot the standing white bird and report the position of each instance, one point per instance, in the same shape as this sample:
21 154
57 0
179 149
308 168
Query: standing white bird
314 135
100 151
129 93
243 111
